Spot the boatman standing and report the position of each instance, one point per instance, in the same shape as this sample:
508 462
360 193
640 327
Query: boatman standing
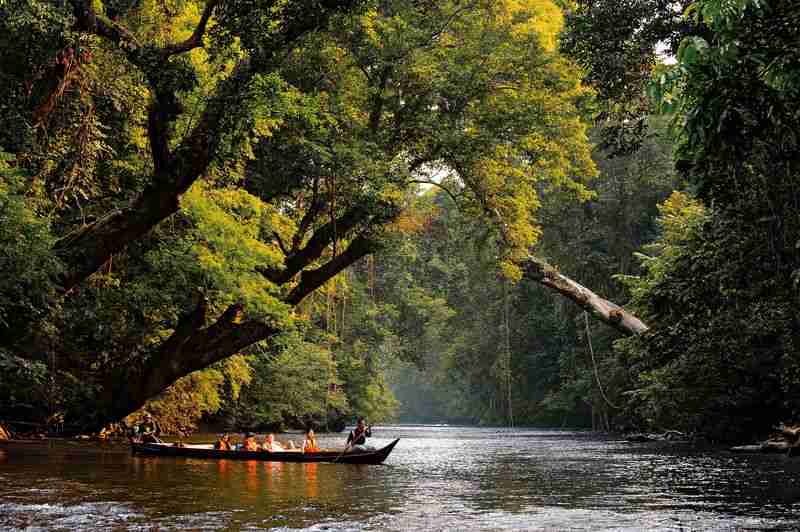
357 439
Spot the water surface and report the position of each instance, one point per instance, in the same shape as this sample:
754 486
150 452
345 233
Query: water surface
437 478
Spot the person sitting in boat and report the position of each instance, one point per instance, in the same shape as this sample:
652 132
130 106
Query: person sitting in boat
148 430
357 439
271 445
249 443
310 443
223 443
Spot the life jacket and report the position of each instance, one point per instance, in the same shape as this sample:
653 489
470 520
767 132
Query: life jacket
358 437
148 427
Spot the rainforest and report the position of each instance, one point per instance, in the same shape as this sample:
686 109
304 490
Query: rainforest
274 214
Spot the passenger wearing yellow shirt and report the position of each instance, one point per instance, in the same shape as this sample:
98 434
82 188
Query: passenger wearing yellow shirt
310 443
249 443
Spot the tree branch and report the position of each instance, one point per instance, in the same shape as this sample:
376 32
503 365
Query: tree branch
308 218
609 313
187 326
153 62
86 250
417 163
438 185
196 39
279 240
321 238
88 20
377 104
173 360
310 280
543 273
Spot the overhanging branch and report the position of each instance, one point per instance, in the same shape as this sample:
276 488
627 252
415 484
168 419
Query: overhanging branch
437 185
173 360
609 313
321 239
188 325
311 214
543 273
310 280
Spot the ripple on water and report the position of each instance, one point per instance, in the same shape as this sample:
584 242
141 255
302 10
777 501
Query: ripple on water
74 517
200 522
545 519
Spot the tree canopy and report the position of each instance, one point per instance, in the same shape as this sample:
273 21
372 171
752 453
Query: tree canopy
200 168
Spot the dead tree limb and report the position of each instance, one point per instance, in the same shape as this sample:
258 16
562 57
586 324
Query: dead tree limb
609 313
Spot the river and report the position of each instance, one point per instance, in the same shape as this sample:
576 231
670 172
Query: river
438 478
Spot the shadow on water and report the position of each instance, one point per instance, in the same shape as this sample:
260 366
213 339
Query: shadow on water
438 478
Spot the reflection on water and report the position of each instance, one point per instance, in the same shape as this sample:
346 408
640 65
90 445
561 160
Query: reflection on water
437 478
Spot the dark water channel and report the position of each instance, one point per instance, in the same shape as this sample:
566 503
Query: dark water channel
438 478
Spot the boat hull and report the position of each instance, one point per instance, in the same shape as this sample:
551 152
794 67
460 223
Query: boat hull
166 449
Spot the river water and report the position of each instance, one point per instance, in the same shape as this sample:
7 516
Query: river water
438 478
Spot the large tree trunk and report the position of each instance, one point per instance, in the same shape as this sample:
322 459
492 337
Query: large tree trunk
609 313
193 347
189 349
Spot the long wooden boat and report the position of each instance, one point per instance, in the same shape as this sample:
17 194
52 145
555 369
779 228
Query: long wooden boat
208 451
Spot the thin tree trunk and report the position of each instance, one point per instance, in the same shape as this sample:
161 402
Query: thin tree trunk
507 330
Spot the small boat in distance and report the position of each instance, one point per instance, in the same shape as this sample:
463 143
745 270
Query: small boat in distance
208 451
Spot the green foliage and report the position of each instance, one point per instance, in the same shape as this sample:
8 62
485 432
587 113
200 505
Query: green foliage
619 44
681 219
616 41
364 384
445 266
31 35
296 385
213 246
260 26
297 131
23 387
722 356
226 249
719 359
29 386
733 91
30 268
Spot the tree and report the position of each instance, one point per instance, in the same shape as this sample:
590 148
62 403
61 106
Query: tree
620 44
302 133
721 285
291 387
